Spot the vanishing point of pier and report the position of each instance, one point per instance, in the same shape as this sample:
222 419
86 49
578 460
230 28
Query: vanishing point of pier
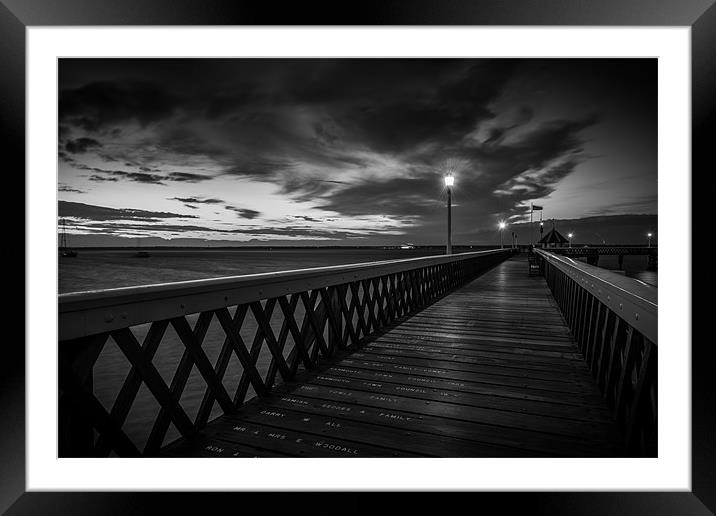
481 354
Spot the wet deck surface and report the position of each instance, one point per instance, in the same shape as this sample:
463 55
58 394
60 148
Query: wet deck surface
490 370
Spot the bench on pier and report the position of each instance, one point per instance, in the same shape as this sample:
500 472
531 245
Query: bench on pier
535 265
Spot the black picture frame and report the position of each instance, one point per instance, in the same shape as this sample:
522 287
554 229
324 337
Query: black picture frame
700 15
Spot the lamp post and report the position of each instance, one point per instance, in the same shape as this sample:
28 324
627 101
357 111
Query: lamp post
570 239
648 236
449 181
502 228
541 231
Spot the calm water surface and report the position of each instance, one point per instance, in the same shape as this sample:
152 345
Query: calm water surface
634 267
92 270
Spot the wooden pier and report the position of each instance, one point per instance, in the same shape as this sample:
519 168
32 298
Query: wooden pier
463 355
491 370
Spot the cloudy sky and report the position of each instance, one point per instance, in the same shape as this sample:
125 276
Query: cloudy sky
350 151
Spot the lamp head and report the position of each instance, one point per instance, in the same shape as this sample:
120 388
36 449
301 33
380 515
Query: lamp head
449 180
503 225
570 235
649 235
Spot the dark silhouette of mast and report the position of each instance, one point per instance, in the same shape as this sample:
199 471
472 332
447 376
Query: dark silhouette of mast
64 250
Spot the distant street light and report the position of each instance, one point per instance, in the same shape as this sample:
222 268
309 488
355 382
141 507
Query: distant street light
570 239
648 236
503 225
449 181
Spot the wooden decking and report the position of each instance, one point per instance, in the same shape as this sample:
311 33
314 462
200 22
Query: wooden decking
491 370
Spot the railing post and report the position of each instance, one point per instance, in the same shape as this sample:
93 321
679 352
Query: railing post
75 428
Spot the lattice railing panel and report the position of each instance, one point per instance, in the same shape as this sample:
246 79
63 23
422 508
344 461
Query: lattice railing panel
622 359
133 389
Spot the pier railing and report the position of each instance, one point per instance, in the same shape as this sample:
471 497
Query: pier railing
592 253
614 320
300 317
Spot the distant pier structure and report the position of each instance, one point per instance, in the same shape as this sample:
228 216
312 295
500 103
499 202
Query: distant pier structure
557 243
592 253
553 239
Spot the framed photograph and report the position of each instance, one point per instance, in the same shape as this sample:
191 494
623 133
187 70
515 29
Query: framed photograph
411 251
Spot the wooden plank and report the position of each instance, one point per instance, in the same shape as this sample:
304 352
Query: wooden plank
568 393
504 404
445 383
445 409
324 425
304 441
477 350
493 369
468 365
434 392
483 432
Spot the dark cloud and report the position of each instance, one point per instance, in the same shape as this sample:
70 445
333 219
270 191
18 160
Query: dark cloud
67 188
81 145
445 114
551 151
196 200
107 157
545 183
104 213
186 177
260 167
115 175
244 213
142 176
100 105
100 179
306 218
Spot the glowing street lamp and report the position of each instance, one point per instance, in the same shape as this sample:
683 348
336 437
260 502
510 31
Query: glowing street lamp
648 236
502 225
449 181
570 239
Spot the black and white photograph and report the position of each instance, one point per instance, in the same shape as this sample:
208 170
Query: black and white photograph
357 257
348 258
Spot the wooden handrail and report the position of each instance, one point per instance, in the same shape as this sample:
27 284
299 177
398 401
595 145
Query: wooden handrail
87 313
633 301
